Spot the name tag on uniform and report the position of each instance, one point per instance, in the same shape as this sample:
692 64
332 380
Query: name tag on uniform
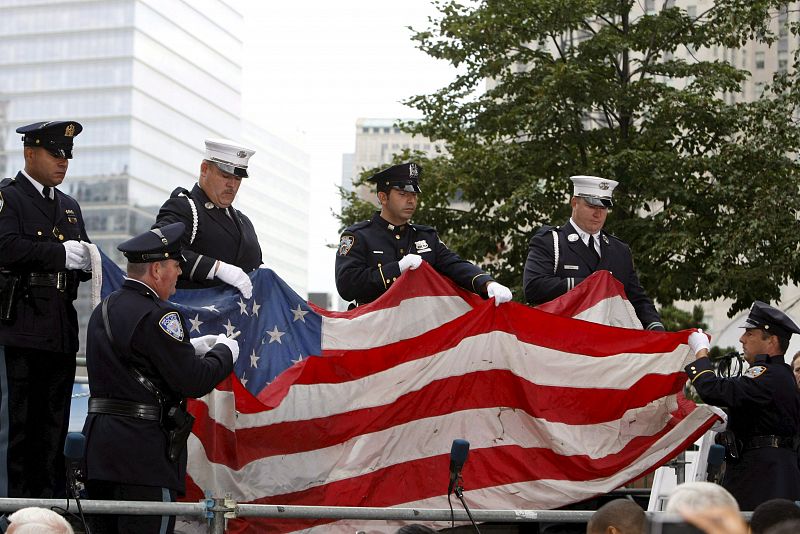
377 252
571 267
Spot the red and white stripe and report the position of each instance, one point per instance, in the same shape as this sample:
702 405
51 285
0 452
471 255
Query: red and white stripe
556 410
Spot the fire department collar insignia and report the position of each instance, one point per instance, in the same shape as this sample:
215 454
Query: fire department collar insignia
171 324
755 371
208 205
572 238
346 244
605 240
422 246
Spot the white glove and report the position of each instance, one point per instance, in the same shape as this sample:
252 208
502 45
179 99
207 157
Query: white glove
411 261
500 293
203 344
231 344
698 341
236 277
77 256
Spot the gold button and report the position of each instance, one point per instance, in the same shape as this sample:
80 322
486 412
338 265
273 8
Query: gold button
394 279
60 237
397 236
39 232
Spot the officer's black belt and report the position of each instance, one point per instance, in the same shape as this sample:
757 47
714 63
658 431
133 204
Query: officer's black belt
769 441
148 412
57 280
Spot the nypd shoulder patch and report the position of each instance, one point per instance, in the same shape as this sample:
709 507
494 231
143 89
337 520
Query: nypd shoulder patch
346 244
171 324
755 371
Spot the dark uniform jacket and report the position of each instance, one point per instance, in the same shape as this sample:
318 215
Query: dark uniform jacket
763 402
545 280
155 340
32 230
369 252
211 235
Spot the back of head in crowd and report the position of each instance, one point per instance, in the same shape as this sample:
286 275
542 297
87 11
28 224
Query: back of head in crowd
415 529
699 496
792 526
38 521
620 516
770 513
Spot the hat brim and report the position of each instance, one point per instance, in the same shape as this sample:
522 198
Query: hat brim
597 201
410 188
229 168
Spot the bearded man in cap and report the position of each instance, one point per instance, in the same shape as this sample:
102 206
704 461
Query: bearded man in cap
142 366
41 264
373 254
763 409
221 245
559 258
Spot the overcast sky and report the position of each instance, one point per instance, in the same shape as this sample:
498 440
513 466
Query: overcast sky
314 67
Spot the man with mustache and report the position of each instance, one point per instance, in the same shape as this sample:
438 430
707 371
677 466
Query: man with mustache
373 254
220 243
42 261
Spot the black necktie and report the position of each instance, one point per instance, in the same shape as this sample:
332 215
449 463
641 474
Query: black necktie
592 248
46 193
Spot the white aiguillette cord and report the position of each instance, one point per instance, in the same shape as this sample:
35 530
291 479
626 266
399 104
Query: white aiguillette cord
97 272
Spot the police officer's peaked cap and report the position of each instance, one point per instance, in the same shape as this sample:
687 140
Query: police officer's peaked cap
404 177
596 191
54 136
770 320
229 156
155 245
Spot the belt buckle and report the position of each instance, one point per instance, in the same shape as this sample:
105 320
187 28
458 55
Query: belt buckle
61 280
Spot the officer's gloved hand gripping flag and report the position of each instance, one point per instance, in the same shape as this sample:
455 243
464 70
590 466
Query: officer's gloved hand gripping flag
360 408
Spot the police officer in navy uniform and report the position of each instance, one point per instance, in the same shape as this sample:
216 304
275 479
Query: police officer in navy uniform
142 365
763 409
561 258
42 261
220 242
373 254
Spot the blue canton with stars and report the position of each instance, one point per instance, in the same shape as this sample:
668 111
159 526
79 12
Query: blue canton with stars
278 328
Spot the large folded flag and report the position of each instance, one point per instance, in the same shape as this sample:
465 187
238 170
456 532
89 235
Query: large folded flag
556 409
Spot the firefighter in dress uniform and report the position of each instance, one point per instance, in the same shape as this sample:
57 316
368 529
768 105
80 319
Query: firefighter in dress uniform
373 254
142 366
220 242
559 258
42 261
763 408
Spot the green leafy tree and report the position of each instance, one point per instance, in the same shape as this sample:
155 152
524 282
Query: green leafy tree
708 187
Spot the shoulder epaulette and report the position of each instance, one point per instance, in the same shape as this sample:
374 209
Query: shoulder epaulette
422 227
357 226
546 229
7 181
178 192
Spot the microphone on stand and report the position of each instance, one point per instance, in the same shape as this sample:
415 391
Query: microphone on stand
458 456
74 449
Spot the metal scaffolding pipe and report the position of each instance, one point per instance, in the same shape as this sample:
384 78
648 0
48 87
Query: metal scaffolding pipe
197 509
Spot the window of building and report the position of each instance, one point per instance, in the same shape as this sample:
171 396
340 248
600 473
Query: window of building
759 60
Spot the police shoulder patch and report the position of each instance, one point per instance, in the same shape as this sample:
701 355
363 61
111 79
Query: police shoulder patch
346 244
171 324
755 371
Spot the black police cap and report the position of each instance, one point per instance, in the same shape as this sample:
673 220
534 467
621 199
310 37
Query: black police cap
770 320
155 245
404 177
54 136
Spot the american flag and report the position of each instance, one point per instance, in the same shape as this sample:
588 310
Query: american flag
556 409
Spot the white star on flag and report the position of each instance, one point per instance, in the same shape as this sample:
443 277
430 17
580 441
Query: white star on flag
211 308
299 314
299 359
196 322
229 328
275 335
242 307
254 359
255 308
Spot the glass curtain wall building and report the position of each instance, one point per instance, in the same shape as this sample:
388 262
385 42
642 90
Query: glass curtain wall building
149 80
